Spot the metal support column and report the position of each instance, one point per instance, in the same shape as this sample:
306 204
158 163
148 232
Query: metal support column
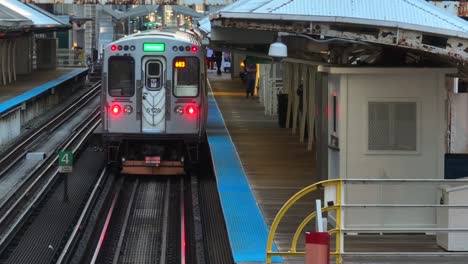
296 82
322 126
9 59
311 105
305 102
288 81
3 47
14 60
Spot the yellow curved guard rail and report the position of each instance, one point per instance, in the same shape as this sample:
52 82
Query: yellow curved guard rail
279 216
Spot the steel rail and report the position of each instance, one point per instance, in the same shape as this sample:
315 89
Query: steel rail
66 250
42 191
182 224
125 223
197 221
165 223
81 126
102 236
18 151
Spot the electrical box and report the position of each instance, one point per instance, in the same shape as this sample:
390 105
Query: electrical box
456 217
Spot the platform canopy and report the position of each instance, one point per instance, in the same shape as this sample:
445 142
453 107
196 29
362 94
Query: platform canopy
204 25
411 24
37 19
135 11
10 20
186 11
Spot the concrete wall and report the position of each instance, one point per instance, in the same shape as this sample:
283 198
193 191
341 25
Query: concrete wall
23 54
46 52
10 126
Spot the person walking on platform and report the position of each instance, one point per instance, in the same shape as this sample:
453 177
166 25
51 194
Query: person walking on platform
250 74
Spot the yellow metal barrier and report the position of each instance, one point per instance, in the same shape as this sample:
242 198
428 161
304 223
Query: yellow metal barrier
279 216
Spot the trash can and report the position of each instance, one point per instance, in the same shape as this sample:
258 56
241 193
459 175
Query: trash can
317 248
282 109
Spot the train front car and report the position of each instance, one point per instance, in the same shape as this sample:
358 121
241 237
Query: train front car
154 102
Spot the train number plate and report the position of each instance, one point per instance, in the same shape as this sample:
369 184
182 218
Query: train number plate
155 161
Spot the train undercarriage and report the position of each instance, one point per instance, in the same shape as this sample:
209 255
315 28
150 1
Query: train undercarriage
152 157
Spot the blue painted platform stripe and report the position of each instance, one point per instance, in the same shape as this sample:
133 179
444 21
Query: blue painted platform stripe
246 226
8 104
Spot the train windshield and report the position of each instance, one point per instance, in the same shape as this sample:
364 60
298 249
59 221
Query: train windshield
121 76
186 76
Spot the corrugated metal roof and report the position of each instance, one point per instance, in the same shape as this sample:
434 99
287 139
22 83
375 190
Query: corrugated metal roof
40 18
10 20
201 2
132 12
204 25
186 11
406 14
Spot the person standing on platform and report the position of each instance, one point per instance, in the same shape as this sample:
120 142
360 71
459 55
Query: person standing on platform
250 74
209 59
218 58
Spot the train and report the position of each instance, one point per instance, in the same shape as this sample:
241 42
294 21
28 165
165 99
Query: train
154 101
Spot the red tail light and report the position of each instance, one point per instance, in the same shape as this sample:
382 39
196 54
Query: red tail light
116 109
191 110
113 48
194 49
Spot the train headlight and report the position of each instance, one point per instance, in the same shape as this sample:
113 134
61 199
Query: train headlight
191 110
116 109
179 110
128 109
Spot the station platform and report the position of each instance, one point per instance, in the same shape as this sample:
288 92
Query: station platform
30 85
258 166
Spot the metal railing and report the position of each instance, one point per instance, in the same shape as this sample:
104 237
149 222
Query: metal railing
67 57
340 201
336 231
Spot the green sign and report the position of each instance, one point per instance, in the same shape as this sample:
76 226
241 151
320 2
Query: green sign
65 161
154 47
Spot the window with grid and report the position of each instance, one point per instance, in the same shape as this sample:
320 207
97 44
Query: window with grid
392 126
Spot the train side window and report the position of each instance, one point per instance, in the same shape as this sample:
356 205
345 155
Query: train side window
121 76
186 76
153 75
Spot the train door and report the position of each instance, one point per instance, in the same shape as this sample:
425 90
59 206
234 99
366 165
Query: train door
154 96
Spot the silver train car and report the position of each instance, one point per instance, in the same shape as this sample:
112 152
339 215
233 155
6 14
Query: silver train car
154 101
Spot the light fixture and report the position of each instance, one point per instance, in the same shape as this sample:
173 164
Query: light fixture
278 49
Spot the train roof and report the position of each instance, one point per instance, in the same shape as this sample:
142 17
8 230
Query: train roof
186 36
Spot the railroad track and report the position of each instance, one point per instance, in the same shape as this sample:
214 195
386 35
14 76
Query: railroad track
18 151
146 223
16 210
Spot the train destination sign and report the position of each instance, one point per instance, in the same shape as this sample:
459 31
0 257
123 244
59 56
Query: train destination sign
154 47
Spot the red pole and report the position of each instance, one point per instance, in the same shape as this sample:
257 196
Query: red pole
317 248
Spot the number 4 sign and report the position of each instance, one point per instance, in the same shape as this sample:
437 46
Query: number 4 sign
65 161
